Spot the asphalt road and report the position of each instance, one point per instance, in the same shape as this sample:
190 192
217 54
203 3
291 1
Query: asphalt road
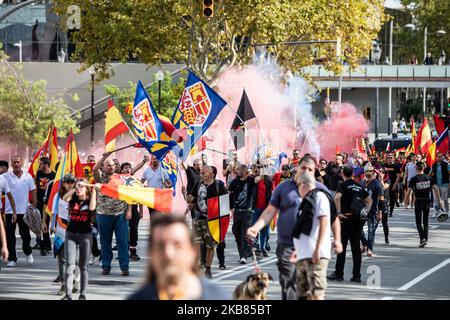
399 271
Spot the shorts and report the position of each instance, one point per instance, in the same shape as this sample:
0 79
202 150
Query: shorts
311 278
201 233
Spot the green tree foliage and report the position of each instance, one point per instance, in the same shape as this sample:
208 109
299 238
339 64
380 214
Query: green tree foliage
170 95
433 14
157 31
25 110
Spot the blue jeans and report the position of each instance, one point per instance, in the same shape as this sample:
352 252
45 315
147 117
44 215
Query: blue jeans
106 226
263 235
372 225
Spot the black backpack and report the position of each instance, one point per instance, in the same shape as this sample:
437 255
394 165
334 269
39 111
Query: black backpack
305 219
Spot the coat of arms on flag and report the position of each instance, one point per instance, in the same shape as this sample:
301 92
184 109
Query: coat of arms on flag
219 216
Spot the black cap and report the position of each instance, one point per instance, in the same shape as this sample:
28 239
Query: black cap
4 163
69 178
285 167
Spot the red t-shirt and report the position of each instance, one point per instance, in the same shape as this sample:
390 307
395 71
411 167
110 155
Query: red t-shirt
261 196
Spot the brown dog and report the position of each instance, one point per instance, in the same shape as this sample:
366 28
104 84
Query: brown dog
254 288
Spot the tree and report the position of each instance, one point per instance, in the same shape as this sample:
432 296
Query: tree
156 31
170 95
25 110
435 15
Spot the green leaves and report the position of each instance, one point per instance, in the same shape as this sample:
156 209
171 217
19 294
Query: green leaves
156 31
25 111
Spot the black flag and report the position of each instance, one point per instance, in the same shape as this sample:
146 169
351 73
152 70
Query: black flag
244 113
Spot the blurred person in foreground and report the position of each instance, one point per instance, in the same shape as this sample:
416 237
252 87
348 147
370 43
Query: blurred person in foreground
173 270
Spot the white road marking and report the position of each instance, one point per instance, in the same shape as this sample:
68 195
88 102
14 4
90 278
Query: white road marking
242 269
424 275
387 298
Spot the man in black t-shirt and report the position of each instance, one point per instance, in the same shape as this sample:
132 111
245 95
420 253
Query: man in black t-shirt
192 174
241 199
421 185
43 177
351 227
394 172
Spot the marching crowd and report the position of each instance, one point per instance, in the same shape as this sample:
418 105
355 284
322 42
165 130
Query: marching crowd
318 206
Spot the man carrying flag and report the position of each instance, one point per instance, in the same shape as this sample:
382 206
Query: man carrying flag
112 216
199 106
244 113
206 191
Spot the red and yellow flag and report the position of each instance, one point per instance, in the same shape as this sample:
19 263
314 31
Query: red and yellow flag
424 139
70 163
273 222
49 149
219 216
431 156
129 189
414 148
114 126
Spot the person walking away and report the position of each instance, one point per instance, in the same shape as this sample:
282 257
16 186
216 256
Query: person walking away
21 184
386 185
410 172
422 185
351 223
82 203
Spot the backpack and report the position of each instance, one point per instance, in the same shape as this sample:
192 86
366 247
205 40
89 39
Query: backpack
358 207
305 219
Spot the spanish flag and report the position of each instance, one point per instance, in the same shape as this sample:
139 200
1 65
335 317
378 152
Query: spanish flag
424 139
414 147
114 126
70 163
431 156
48 149
219 216
127 188
273 222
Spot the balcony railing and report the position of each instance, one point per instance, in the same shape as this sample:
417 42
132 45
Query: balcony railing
383 72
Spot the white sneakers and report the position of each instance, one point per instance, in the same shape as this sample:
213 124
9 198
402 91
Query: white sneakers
11 264
30 259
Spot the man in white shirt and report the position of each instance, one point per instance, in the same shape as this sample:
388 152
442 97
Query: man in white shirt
155 177
20 184
4 188
313 245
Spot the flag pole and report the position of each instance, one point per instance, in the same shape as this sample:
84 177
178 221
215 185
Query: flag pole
181 179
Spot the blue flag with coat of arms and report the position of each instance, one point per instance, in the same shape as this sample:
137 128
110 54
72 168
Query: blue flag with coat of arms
148 127
197 109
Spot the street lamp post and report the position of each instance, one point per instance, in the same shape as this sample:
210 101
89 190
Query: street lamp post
92 73
159 77
19 44
425 49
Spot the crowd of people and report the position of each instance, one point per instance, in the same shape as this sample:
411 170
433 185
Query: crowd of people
318 205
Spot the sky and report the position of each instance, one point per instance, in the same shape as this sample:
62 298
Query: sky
395 4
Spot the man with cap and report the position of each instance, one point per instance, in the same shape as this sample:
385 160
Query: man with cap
279 177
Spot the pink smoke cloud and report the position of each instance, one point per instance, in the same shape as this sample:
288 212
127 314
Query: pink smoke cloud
341 131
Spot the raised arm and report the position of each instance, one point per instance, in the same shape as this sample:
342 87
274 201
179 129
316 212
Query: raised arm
99 164
140 165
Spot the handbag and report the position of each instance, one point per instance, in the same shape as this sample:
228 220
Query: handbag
33 219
